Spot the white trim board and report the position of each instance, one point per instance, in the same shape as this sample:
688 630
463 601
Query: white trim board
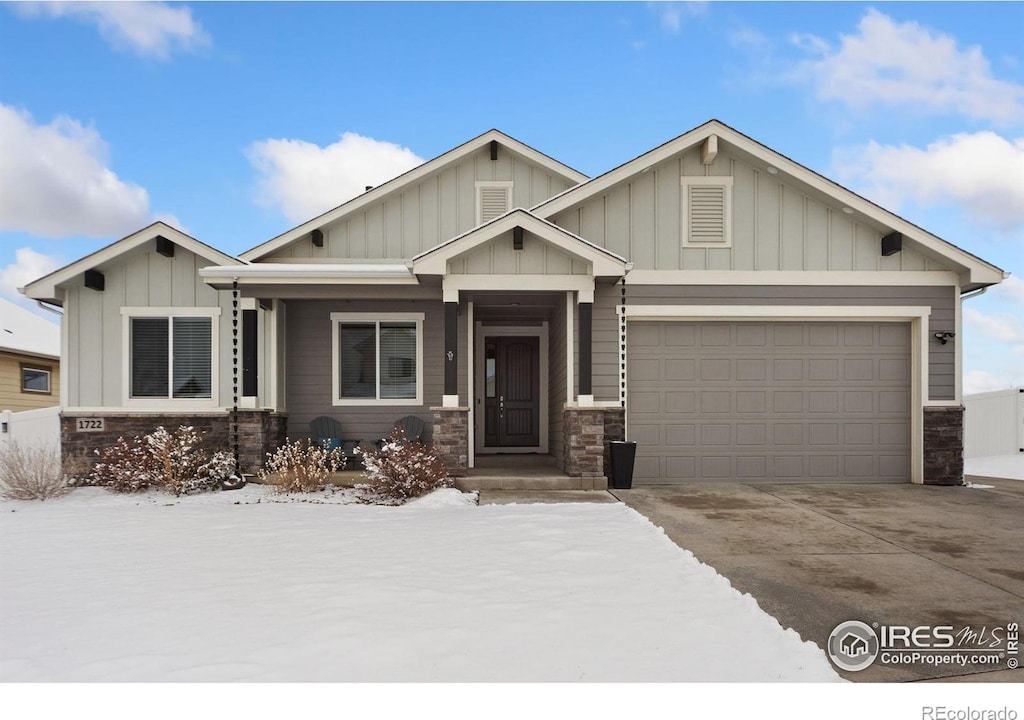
917 316
169 404
583 285
602 262
45 288
376 318
869 278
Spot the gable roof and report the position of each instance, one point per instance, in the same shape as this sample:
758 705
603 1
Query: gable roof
45 288
417 173
980 273
25 332
603 262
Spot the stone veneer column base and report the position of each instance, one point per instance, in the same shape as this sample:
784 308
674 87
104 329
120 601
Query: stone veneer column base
583 442
259 432
451 438
943 445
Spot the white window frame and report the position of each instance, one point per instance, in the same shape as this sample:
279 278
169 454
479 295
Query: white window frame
480 185
40 369
170 402
343 317
698 181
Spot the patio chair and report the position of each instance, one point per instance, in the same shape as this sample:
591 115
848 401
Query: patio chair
411 427
326 431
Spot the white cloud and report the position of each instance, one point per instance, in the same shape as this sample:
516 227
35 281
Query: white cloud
982 172
148 28
979 381
671 13
1003 327
56 182
907 65
28 265
303 179
1012 288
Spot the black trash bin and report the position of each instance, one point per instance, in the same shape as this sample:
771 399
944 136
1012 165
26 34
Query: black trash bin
623 453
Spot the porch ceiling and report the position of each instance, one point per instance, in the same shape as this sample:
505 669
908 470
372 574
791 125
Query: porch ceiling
513 307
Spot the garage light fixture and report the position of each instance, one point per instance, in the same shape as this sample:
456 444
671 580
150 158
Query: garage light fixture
944 337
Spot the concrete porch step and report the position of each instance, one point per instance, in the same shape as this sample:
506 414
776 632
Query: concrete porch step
532 481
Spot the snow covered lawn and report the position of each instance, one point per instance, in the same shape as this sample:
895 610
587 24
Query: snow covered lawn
153 588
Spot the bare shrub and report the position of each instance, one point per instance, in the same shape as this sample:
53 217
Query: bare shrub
181 465
401 470
175 462
300 466
31 471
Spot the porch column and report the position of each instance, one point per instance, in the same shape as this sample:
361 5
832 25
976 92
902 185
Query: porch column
451 355
586 320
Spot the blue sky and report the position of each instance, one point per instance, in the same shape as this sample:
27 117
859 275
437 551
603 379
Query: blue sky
236 121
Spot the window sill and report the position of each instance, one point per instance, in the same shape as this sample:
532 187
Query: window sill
371 402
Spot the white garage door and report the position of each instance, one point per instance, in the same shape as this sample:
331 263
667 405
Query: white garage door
769 401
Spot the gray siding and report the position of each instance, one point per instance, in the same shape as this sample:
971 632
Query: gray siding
941 358
776 226
425 214
141 278
308 372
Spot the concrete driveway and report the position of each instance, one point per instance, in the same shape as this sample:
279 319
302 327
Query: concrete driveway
817 555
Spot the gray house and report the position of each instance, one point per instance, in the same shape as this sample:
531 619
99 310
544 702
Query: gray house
738 315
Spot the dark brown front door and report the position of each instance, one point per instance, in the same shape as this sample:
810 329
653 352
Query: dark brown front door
512 392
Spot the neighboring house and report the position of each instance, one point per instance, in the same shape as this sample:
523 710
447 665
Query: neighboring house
29 359
738 315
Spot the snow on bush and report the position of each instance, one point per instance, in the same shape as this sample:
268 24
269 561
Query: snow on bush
31 471
300 466
401 470
175 462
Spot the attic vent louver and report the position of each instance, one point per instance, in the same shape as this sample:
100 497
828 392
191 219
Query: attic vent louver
706 209
494 198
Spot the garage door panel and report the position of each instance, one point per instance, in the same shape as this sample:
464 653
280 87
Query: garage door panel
785 402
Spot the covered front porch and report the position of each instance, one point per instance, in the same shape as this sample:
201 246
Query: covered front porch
487 338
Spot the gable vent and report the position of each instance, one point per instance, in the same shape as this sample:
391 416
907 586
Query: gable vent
706 210
494 198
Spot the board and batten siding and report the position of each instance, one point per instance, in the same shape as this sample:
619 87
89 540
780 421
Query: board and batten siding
775 226
497 257
309 367
425 214
942 300
142 278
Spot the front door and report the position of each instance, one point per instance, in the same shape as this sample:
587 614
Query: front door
512 392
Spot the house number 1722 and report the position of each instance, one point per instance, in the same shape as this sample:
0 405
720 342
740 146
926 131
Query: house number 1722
89 424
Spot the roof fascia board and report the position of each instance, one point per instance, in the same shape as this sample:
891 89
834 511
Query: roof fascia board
407 178
45 288
435 260
979 270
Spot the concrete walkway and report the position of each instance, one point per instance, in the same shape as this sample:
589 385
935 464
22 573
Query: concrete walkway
817 555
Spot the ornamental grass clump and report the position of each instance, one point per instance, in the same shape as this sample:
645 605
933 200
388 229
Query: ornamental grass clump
401 470
300 466
175 462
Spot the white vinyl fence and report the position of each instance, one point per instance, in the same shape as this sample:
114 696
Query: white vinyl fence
994 423
31 426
